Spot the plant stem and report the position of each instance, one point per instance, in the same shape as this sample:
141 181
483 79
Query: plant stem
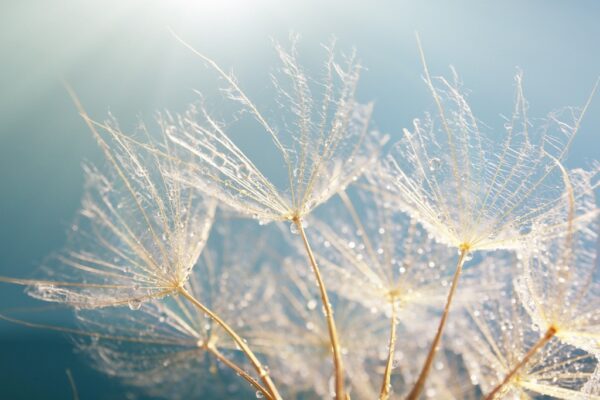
262 373
420 385
386 384
536 347
72 384
213 350
333 336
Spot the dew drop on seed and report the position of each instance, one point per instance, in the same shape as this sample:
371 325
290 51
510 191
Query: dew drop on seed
434 164
311 304
294 228
134 304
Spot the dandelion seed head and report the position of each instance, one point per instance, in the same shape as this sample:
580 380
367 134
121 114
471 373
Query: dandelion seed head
319 129
164 346
138 234
472 188
559 285
499 337
395 266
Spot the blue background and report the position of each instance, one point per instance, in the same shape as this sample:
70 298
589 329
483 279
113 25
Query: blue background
119 56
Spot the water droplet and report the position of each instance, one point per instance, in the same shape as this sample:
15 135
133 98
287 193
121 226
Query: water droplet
311 304
525 228
134 304
294 228
434 164
259 394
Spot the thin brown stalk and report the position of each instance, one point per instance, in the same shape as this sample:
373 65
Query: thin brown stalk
214 351
262 373
420 385
333 336
536 347
387 384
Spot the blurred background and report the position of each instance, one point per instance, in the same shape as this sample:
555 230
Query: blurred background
119 57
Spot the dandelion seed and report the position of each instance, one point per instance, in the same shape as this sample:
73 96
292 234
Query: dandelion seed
138 233
559 287
169 347
500 196
493 354
469 190
323 139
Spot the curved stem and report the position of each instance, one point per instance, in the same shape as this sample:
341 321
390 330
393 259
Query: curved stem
418 388
386 384
214 351
536 347
262 373
74 391
333 336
